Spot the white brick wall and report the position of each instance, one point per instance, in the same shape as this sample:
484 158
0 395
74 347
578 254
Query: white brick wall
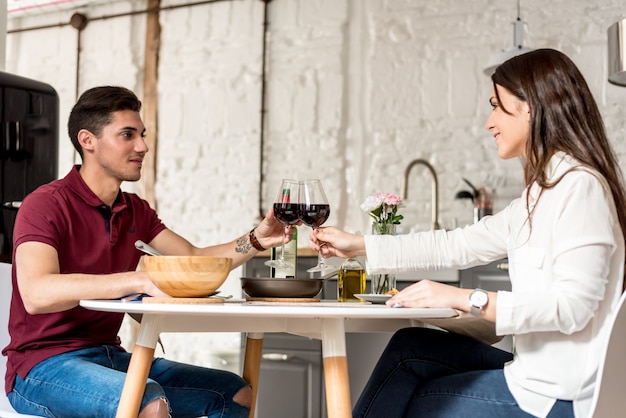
356 89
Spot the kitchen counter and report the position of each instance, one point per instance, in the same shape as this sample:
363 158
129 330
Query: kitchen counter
302 252
446 275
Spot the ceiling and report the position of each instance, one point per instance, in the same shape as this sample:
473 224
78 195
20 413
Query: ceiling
16 8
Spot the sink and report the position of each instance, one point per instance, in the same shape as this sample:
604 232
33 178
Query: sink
435 188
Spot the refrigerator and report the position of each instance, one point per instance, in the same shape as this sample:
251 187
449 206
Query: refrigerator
29 142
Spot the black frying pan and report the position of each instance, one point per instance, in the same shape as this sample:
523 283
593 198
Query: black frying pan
266 287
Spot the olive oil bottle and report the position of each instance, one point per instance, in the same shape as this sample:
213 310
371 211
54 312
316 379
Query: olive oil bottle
350 281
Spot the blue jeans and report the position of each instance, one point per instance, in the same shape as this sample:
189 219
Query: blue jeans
88 383
430 373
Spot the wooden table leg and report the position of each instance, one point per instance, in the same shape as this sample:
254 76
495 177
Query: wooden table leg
252 364
336 379
338 401
135 383
139 367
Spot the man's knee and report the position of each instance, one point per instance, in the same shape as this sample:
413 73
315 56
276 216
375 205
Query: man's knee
158 408
244 397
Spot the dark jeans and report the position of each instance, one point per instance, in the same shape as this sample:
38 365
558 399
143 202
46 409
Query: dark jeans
430 373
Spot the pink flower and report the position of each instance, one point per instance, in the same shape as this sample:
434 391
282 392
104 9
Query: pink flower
383 208
392 200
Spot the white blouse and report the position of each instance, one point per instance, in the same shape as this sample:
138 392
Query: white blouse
566 272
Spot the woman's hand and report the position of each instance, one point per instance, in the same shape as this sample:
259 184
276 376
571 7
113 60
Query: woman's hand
429 294
331 241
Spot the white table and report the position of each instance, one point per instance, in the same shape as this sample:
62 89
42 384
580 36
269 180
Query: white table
327 321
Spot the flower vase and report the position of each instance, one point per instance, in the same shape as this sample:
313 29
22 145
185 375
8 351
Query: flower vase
383 283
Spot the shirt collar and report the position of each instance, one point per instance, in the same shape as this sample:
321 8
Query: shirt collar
558 164
80 188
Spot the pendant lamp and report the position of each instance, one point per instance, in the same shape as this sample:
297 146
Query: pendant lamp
617 53
516 49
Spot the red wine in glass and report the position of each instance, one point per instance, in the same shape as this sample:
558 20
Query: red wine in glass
314 211
287 213
314 215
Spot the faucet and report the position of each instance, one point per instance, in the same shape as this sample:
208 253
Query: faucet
435 189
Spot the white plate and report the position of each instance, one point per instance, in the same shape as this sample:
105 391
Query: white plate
374 298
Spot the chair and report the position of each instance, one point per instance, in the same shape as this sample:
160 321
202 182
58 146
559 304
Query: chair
6 411
609 400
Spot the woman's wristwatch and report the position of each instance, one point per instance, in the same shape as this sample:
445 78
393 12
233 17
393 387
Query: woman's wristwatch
478 299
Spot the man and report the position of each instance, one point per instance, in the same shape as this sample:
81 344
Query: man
74 239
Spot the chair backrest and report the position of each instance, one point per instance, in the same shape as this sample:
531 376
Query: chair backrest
609 398
6 410
5 302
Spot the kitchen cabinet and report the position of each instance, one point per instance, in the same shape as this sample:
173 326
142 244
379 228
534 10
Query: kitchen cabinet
490 277
291 375
291 378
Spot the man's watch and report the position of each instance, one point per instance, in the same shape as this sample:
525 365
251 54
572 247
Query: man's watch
478 299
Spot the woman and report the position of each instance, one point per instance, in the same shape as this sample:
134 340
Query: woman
564 239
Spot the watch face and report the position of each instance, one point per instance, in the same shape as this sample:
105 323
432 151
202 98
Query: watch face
479 298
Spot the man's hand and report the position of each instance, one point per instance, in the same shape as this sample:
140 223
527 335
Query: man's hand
271 232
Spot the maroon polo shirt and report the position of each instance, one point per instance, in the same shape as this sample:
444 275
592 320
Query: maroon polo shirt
90 238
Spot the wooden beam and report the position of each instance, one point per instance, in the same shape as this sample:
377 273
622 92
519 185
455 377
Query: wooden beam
151 99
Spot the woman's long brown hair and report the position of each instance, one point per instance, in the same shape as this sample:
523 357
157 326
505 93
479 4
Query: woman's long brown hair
564 117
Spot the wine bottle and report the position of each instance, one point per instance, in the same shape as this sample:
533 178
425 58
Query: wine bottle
291 256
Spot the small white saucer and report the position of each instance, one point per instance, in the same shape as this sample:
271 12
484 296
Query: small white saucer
374 298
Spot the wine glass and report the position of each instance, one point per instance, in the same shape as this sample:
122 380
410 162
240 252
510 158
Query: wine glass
313 209
286 211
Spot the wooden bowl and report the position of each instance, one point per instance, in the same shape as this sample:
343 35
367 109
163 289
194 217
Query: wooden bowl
187 276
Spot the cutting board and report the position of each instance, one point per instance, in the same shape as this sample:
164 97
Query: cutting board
182 301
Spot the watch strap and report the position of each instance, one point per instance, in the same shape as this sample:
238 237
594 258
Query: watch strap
254 241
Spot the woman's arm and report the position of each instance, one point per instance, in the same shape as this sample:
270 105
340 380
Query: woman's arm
429 294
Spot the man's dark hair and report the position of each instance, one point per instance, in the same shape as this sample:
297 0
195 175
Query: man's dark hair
94 110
